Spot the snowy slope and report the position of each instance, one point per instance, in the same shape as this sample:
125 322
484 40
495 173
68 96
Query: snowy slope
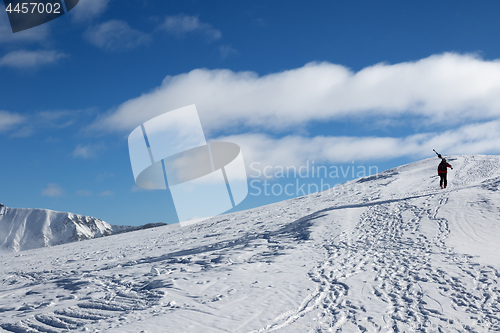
392 253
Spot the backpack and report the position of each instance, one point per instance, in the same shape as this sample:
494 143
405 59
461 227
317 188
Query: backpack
442 167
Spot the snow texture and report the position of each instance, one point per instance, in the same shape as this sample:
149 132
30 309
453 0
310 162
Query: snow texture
386 253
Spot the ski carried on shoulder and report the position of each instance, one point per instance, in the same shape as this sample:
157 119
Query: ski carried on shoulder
438 154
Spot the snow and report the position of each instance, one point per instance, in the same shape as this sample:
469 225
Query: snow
391 253
24 228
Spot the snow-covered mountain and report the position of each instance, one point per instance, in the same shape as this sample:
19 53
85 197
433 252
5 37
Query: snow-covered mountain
387 253
23 228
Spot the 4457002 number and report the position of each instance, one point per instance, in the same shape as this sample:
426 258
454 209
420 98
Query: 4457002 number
35 7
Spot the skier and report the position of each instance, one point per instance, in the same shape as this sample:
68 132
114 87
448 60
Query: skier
442 172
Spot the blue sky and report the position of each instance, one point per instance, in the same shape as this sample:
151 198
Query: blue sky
340 83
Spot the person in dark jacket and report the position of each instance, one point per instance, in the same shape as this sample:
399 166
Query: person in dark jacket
443 171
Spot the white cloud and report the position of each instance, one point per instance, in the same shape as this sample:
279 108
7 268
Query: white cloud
89 9
82 151
23 132
52 190
30 59
10 121
116 35
87 151
226 51
106 194
26 126
443 89
57 118
297 150
183 24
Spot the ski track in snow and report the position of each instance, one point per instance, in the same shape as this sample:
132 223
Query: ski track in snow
386 267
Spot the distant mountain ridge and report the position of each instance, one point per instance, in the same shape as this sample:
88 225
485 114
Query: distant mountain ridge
26 228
